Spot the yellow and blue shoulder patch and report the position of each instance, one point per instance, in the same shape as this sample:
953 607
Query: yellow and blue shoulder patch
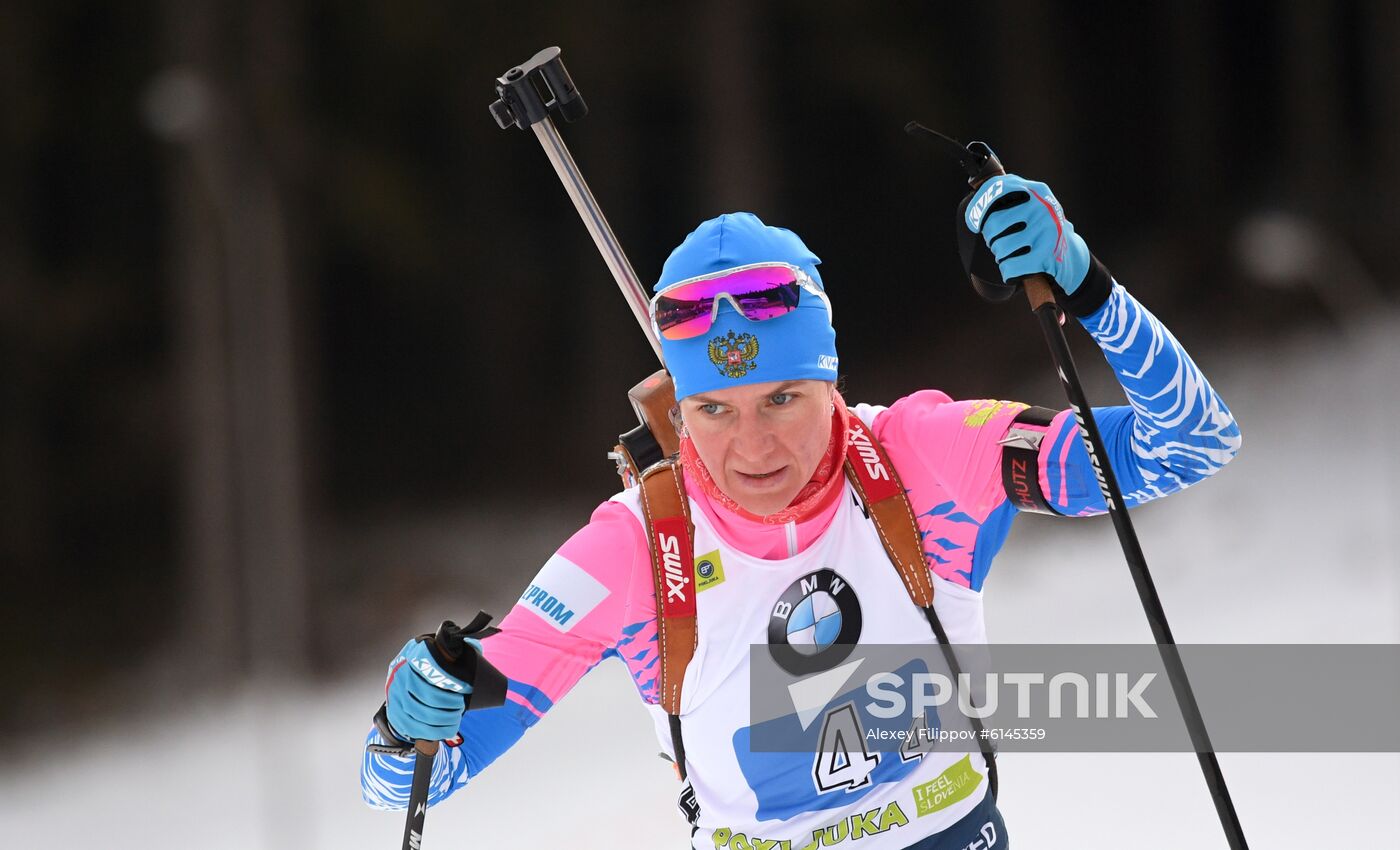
983 411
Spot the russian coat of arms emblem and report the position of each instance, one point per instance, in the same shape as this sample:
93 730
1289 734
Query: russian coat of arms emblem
733 355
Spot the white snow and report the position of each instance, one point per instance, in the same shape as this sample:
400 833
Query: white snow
1296 541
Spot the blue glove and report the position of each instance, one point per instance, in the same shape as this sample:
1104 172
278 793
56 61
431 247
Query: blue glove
1027 232
423 701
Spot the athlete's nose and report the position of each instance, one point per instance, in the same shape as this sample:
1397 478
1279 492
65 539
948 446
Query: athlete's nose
753 441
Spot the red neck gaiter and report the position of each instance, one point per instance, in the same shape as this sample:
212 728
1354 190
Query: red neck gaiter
815 495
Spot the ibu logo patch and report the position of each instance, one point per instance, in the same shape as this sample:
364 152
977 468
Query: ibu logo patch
563 593
734 355
709 571
815 623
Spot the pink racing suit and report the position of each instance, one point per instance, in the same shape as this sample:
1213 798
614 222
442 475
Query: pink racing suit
594 598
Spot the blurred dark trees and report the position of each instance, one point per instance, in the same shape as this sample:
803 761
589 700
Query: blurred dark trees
269 271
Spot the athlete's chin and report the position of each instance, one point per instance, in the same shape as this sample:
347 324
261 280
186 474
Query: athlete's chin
762 495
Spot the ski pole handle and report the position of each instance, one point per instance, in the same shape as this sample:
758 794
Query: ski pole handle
980 165
1038 290
447 645
1038 286
451 651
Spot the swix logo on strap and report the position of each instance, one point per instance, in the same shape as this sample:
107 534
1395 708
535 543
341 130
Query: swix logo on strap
979 207
869 465
435 677
677 567
671 564
865 450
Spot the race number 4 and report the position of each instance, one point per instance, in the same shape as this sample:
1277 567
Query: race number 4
919 741
842 759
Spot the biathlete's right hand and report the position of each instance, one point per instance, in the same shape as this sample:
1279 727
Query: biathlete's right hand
1025 228
424 702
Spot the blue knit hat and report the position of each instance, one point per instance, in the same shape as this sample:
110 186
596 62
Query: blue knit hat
799 345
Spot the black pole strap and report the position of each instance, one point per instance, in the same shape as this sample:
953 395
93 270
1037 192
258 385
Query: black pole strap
1049 316
452 652
984 742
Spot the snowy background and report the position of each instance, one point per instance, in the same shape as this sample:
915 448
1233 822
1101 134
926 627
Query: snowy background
291 333
1296 541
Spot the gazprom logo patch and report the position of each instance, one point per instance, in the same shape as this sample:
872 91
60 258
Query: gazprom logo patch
545 603
563 593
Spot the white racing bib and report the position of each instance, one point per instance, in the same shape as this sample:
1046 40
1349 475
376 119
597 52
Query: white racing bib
841 590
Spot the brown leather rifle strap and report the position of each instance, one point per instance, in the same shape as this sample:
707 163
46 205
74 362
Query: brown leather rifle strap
887 503
869 470
670 536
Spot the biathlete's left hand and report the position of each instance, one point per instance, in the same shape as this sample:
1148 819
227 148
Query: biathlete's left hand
1025 228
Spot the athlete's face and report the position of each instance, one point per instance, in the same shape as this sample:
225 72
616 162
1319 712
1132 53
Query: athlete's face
761 442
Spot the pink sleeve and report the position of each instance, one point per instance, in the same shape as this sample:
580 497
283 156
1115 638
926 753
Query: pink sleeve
949 460
575 609
574 613
934 440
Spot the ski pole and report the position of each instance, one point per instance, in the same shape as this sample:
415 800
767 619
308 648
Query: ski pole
450 649
981 164
529 96
424 753
448 644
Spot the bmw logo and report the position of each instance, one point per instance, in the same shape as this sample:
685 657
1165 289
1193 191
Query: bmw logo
815 623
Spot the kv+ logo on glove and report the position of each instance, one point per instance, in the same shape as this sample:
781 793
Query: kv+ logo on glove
424 702
1026 231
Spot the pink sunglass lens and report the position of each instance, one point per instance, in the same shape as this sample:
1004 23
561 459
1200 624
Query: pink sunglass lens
678 325
761 293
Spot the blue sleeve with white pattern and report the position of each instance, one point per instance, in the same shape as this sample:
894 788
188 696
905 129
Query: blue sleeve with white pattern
1174 432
